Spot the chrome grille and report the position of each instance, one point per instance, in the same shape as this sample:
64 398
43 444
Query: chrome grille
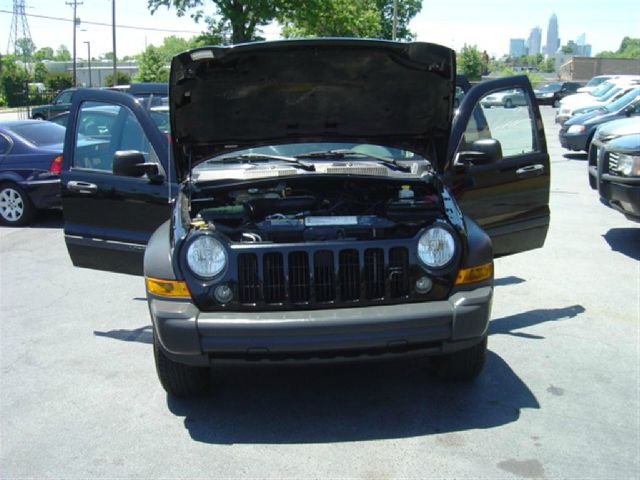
613 163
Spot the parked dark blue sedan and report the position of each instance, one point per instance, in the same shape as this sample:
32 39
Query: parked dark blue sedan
577 132
30 161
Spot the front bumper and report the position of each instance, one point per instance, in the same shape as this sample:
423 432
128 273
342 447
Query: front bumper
190 336
624 197
575 142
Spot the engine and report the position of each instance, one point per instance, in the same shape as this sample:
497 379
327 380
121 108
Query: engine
317 209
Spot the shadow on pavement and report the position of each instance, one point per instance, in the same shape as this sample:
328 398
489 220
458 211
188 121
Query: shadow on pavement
44 219
341 403
575 156
141 335
507 325
276 403
625 241
512 280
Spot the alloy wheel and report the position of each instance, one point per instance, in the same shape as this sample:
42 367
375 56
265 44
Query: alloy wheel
11 204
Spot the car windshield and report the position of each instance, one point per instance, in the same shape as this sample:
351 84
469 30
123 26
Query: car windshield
40 133
301 149
602 89
610 93
595 81
550 87
623 101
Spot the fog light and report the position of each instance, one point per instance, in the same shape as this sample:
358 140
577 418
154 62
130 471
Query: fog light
223 294
423 285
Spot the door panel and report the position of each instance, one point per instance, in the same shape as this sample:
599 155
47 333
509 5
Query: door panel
109 218
506 191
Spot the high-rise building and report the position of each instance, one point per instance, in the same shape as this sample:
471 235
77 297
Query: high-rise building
553 39
516 47
535 41
581 40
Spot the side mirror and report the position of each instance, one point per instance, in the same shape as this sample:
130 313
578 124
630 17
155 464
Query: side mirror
131 163
480 152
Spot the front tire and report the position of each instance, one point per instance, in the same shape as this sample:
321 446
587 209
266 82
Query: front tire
38 116
463 365
556 103
177 378
16 208
508 103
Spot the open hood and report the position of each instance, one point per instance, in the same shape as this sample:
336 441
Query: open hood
322 90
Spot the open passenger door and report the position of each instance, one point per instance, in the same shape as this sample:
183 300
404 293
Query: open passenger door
498 165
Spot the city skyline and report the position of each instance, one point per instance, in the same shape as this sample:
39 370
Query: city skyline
488 25
553 36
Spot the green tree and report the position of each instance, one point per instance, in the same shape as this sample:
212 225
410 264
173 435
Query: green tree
406 10
151 67
470 62
39 72
549 65
62 54
629 48
123 79
44 53
25 48
173 45
241 17
13 81
566 49
58 80
334 18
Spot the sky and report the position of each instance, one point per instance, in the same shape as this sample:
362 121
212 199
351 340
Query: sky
488 24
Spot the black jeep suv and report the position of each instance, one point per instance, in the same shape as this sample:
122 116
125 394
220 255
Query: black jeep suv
309 203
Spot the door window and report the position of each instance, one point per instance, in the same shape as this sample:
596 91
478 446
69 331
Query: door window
102 129
4 145
505 116
64 97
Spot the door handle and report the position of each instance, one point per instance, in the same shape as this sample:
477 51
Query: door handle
530 171
82 187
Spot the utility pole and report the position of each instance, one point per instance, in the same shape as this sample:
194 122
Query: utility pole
113 33
395 19
89 59
74 4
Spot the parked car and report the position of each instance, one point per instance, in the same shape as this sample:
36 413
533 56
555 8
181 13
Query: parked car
594 82
608 92
60 103
30 163
509 99
614 166
577 132
552 93
317 214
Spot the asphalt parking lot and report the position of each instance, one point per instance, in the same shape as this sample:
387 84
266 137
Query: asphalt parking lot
559 396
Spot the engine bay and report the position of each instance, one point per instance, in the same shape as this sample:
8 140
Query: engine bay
316 209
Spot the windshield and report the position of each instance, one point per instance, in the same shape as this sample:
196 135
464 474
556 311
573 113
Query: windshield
595 81
297 149
40 133
602 89
609 94
550 87
623 101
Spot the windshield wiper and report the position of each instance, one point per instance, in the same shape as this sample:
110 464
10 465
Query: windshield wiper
250 157
338 154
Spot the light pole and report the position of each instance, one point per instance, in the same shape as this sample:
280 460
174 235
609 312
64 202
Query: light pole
76 22
89 60
113 34
395 20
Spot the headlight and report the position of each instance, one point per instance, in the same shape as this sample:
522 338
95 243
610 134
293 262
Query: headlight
436 247
547 95
629 165
206 256
576 129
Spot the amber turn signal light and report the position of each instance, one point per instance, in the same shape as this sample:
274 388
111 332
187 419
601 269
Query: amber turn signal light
475 274
167 288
